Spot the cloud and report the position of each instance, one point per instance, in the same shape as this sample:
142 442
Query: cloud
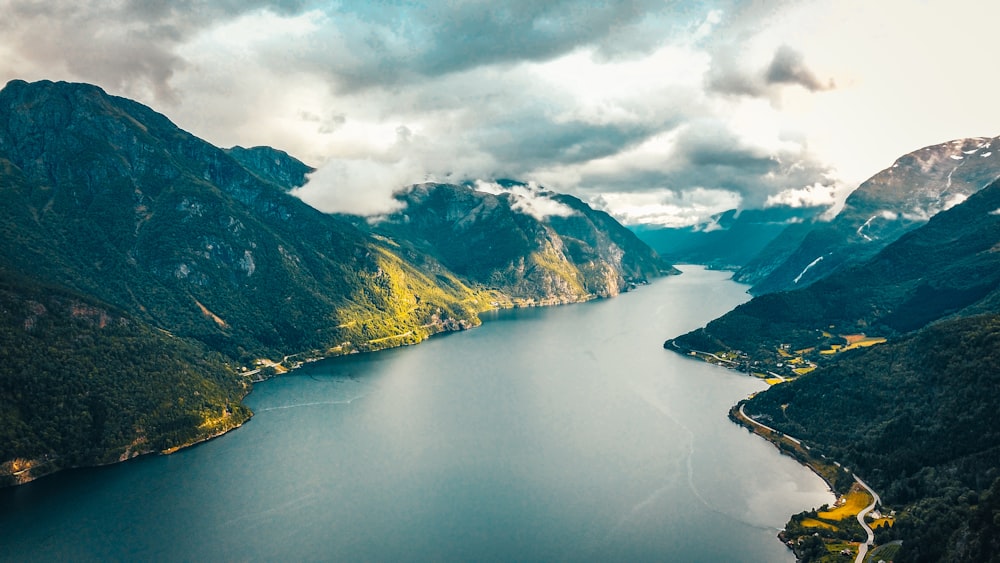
359 186
127 46
719 102
528 199
816 195
362 45
729 74
666 207
788 67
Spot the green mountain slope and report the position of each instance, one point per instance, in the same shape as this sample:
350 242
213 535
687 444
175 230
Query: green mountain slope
489 239
83 384
917 418
915 415
205 264
950 266
128 208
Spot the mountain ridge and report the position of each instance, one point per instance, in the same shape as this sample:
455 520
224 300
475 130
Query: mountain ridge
110 202
888 366
896 200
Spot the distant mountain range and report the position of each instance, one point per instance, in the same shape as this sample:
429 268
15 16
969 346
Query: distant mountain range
728 240
124 233
896 200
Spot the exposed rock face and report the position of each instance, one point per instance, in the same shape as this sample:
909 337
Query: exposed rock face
272 165
896 200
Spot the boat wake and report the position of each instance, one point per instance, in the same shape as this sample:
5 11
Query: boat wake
312 404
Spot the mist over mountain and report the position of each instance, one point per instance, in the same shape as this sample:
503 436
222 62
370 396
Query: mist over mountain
531 244
111 205
730 239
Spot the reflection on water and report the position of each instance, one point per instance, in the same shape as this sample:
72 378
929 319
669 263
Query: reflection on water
555 433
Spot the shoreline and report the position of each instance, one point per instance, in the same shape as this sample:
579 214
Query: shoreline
21 471
829 471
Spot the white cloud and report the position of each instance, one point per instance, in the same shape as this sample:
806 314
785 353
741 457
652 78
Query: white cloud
954 200
667 207
723 103
359 186
528 199
816 195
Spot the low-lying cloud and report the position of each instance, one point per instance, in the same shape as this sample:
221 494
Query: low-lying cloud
529 199
698 105
360 186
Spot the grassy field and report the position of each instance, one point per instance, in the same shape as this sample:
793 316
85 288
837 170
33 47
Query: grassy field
814 523
861 341
886 521
885 552
853 503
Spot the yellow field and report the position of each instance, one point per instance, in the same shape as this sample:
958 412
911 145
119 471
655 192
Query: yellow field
804 370
814 523
773 380
864 343
853 503
881 522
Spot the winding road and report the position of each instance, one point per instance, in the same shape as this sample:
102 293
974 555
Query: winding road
864 547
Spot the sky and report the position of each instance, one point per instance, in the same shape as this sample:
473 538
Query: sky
660 112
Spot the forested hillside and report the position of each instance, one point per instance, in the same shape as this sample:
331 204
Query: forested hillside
208 267
890 369
917 419
84 384
947 267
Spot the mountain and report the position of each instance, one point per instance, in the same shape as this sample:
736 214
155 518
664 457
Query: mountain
120 204
896 200
491 238
728 240
912 412
948 267
272 165
917 418
124 233
84 383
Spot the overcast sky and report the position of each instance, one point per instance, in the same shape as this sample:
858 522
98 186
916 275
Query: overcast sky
659 111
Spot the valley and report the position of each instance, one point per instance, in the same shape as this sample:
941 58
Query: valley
124 232
150 281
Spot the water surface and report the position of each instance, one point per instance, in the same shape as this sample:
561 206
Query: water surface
562 433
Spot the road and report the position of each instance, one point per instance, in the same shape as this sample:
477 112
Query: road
863 548
766 427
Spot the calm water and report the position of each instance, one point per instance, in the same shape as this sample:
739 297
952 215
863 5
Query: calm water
562 433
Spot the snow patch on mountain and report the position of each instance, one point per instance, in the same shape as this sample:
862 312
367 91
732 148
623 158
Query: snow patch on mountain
803 272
